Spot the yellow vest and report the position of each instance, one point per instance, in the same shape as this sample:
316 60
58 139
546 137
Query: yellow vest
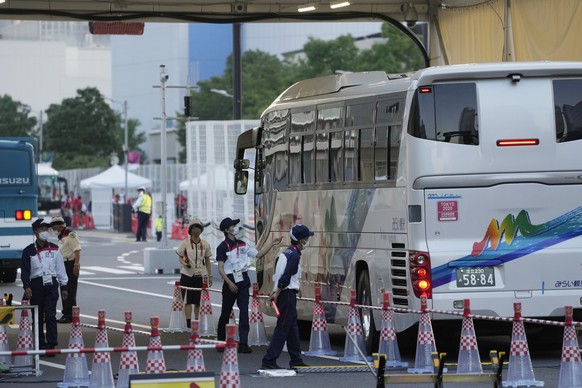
146 204
159 224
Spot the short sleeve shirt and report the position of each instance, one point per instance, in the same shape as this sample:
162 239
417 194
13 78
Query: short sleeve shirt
236 255
69 244
197 254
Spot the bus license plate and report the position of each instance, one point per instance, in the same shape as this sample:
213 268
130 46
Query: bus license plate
475 277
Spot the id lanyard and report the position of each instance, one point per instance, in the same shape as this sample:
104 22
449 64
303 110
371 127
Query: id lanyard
47 278
195 250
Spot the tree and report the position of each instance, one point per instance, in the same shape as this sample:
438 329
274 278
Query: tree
14 118
83 131
134 138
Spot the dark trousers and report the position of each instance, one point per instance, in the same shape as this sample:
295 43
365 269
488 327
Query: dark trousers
45 297
286 330
142 226
242 301
72 290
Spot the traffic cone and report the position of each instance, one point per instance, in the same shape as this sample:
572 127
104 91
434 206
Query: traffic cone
571 365
101 374
388 342
319 343
469 360
24 341
207 328
257 333
155 362
76 371
195 361
355 330
232 321
520 371
4 346
425 345
229 376
128 362
177 318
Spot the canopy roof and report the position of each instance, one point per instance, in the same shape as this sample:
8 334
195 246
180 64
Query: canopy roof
114 178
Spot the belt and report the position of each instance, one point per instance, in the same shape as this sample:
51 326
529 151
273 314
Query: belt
69 259
291 289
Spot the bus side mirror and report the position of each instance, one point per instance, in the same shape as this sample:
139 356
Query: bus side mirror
259 181
241 181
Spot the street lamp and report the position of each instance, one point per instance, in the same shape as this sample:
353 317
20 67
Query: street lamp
125 138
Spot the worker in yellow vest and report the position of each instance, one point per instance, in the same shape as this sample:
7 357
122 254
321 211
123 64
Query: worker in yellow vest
143 207
159 225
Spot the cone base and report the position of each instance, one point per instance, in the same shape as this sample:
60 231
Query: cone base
123 377
175 330
79 383
396 364
321 352
523 383
354 359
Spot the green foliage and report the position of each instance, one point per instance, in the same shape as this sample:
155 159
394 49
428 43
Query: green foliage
14 118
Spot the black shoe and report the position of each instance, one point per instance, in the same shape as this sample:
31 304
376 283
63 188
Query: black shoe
244 348
270 365
65 319
298 365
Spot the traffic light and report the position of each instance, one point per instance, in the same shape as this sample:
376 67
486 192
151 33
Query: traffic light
187 107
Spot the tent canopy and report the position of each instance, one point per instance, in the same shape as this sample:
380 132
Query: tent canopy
114 178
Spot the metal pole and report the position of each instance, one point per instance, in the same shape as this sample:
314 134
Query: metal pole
40 130
126 146
237 71
163 81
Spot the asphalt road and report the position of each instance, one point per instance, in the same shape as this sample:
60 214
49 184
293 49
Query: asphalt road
112 279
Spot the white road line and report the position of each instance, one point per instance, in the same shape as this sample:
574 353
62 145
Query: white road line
135 267
83 272
109 270
51 364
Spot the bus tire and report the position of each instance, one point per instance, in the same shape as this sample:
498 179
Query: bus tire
9 275
371 335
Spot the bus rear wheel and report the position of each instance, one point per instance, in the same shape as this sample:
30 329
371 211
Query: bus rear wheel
371 335
8 275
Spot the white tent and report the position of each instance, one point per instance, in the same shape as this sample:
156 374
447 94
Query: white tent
114 178
101 186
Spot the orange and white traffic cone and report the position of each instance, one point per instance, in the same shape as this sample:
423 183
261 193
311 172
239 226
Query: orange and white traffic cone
128 362
571 365
388 342
76 371
520 371
232 321
425 344
319 343
207 328
4 346
354 336
229 375
101 374
469 360
177 318
257 333
155 362
24 341
195 361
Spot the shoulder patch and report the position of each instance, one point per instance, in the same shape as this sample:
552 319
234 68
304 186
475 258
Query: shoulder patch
73 235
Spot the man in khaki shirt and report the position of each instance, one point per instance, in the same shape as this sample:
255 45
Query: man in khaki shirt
70 249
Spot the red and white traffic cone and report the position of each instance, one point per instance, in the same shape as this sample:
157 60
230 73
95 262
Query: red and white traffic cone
232 321
128 362
24 341
177 318
101 374
425 344
357 335
207 328
229 375
155 362
388 342
76 371
4 346
319 343
571 365
257 333
195 361
520 371
469 360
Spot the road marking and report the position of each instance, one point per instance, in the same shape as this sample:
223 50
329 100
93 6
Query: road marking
135 267
83 272
109 270
51 364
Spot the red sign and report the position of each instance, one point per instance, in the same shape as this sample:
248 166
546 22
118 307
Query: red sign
448 211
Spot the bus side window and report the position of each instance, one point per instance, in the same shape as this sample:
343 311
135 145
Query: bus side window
366 154
294 159
335 156
351 155
307 159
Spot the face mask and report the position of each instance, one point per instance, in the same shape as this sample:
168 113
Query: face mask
304 243
44 235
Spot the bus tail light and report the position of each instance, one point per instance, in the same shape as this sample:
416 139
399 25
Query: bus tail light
420 273
23 215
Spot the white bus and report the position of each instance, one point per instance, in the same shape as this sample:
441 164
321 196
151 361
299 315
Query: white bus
454 182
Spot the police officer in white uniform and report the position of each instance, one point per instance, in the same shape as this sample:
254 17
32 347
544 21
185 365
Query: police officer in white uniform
42 273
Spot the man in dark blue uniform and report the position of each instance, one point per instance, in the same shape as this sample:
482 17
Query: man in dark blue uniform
286 280
42 273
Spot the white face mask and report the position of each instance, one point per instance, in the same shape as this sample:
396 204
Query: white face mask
44 235
304 243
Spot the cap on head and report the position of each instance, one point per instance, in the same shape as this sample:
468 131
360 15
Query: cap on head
227 223
57 221
39 223
195 222
299 232
141 188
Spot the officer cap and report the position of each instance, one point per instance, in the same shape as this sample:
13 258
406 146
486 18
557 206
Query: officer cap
39 223
227 223
299 232
57 221
141 188
195 222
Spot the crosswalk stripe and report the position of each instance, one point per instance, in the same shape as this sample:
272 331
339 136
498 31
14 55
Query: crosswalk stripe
138 268
110 270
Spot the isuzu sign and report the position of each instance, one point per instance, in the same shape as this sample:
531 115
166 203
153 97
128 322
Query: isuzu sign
15 181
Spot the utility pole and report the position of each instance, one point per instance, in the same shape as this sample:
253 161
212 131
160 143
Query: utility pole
163 81
125 145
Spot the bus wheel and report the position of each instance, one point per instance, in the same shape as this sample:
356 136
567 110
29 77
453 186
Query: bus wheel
371 335
9 275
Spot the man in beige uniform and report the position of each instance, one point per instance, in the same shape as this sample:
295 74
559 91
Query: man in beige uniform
70 249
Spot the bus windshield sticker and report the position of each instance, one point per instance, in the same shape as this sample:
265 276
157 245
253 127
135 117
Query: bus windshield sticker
448 211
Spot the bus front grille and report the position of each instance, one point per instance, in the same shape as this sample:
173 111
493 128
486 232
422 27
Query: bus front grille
399 278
